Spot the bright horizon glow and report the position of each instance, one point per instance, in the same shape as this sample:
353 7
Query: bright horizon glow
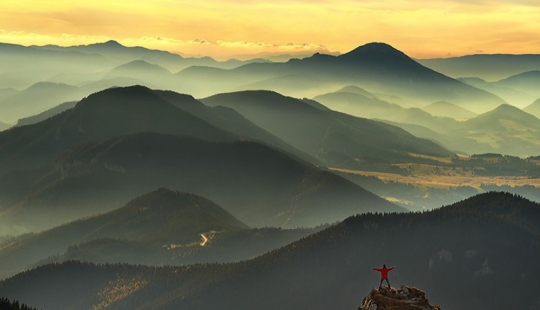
228 28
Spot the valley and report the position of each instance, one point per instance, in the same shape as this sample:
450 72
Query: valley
439 177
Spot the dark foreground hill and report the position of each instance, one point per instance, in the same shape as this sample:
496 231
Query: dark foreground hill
459 250
6 304
161 227
259 185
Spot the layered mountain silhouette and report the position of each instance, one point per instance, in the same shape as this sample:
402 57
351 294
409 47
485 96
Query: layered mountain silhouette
259 185
160 227
358 102
113 112
25 66
36 99
118 52
132 175
533 108
443 108
485 66
505 129
86 64
142 71
377 67
46 114
508 94
526 82
472 249
335 138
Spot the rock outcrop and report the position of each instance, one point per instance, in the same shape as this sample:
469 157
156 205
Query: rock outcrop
404 298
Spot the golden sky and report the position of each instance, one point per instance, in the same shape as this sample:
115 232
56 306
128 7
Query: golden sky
221 28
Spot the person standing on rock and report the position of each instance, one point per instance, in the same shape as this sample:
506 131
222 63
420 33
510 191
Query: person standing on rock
384 274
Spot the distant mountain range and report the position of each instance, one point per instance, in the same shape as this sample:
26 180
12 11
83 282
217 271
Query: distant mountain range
505 129
485 66
443 108
332 137
472 249
376 66
533 108
84 62
36 99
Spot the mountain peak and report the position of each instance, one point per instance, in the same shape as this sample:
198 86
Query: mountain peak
380 57
374 48
403 298
112 43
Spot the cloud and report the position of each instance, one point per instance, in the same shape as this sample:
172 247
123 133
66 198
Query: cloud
243 44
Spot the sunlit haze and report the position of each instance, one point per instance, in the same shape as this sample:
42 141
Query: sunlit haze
229 28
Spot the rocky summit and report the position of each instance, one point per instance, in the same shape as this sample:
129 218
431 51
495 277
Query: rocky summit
404 298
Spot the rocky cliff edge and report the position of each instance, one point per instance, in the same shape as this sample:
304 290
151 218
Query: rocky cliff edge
404 298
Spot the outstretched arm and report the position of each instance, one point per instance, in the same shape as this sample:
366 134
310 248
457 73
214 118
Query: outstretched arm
393 267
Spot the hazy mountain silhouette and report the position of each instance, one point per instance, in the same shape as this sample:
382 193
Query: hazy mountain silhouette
7 92
336 139
160 227
381 68
358 104
46 114
4 126
471 249
120 53
493 120
157 218
24 66
443 108
259 185
510 95
526 82
356 90
423 118
113 112
230 120
506 130
533 108
103 84
297 85
36 99
376 67
488 67
141 71
76 65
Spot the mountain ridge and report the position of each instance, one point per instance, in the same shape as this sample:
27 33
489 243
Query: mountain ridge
475 253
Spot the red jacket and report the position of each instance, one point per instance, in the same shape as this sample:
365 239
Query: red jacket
384 271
